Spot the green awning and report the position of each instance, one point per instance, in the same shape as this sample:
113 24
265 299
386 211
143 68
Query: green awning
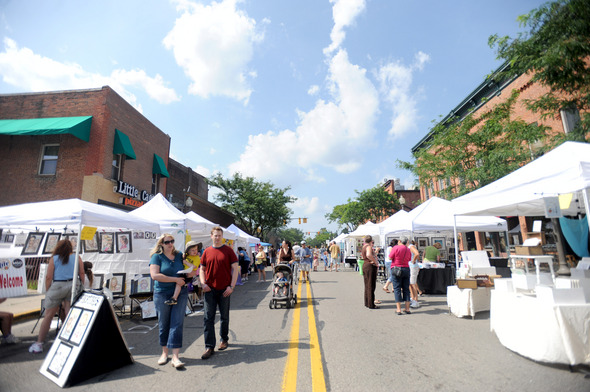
159 167
123 145
77 126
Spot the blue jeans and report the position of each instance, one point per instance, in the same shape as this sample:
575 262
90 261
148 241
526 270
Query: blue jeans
214 299
171 318
401 285
388 271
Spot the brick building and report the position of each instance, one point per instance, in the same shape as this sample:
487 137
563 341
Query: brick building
92 145
487 95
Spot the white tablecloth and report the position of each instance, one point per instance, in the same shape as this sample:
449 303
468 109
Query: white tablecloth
467 302
541 331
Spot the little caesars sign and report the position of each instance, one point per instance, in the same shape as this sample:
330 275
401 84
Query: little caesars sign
134 193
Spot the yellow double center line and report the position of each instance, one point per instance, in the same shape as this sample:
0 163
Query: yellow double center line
318 381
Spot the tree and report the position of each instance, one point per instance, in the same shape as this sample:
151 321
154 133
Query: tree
254 204
476 150
320 238
290 234
371 204
556 52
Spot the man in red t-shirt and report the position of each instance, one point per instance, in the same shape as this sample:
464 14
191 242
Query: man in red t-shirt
218 275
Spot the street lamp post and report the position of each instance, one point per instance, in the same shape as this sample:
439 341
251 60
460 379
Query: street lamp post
402 201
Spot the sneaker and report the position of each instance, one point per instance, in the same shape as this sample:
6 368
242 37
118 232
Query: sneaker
414 304
170 302
10 339
36 348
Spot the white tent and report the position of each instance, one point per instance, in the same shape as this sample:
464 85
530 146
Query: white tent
72 213
244 239
368 228
437 214
205 238
170 218
394 221
564 170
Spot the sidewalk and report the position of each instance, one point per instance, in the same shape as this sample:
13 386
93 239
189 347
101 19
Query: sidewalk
24 307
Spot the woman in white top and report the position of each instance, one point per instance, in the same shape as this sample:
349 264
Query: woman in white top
414 270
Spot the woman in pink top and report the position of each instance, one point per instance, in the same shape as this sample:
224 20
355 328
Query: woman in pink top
400 256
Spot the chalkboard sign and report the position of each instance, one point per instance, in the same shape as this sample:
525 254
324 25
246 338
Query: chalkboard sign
89 344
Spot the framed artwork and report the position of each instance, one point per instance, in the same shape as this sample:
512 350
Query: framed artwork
443 254
106 242
9 238
439 240
150 235
143 285
33 243
123 242
20 239
50 242
422 242
97 281
91 245
452 254
117 283
73 239
138 235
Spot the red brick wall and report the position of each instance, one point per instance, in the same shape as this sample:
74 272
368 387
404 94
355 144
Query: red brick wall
20 155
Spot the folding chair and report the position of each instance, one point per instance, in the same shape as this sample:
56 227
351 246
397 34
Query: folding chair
42 314
117 284
142 290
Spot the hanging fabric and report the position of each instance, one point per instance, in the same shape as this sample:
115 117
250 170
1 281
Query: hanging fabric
575 232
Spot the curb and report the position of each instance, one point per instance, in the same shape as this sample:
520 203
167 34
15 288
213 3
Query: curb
25 316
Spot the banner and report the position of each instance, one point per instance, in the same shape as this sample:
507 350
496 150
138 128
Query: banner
13 277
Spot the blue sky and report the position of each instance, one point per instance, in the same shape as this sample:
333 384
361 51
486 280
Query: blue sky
320 96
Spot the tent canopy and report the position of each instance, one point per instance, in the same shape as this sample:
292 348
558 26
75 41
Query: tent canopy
368 228
71 212
563 170
242 235
169 217
437 214
229 235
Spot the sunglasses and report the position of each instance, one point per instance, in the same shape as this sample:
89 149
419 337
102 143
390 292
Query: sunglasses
168 242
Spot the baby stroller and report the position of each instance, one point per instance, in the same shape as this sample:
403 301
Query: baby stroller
282 291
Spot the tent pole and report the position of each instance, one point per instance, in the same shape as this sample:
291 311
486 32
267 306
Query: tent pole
586 204
456 245
76 267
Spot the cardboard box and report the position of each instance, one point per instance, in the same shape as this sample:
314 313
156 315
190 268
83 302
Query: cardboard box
529 250
467 283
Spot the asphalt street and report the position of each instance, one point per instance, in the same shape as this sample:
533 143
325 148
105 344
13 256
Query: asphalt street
328 340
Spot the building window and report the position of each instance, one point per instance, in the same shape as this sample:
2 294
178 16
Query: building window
570 117
155 183
48 165
117 170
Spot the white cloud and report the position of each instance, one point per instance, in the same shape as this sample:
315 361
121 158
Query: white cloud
338 131
21 67
212 151
344 13
396 85
306 205
202 170
313 90
213 44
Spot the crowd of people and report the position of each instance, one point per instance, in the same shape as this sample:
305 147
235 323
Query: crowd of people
217 270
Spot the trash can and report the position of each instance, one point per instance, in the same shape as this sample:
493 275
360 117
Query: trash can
360 264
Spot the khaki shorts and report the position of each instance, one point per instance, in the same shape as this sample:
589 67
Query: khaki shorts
304 267
57 293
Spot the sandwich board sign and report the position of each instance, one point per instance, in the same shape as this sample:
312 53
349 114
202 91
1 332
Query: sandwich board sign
90 343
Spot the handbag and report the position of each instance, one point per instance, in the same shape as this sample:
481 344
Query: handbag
397 271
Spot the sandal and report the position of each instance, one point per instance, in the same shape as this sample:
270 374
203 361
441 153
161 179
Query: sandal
399 313
407 312
377 302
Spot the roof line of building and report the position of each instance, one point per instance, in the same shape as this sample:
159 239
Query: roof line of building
492 85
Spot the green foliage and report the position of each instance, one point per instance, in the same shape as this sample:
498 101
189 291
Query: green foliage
475 151
371 204
290 234
555 51
254 204
320 238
